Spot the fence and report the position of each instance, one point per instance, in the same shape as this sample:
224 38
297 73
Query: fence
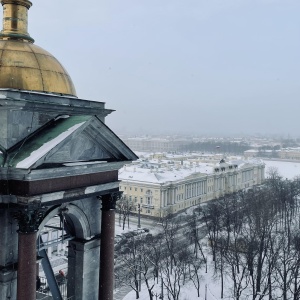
44 292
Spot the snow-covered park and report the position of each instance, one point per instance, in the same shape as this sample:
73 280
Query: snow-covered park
210 284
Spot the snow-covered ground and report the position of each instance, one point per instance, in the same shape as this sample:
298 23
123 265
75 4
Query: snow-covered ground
209 289
210 286
286 169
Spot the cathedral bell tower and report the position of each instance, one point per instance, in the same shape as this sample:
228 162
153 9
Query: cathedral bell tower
57 159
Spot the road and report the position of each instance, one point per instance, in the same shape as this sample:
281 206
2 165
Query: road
121 291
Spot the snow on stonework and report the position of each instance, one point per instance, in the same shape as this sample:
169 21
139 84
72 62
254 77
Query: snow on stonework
45 148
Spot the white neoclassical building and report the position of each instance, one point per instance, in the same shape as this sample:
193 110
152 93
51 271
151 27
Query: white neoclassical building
170 185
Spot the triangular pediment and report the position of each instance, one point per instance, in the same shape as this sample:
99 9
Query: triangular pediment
69 140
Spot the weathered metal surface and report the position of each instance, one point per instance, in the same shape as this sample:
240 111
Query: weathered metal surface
15 20
39 144
40 101
68 141
22 113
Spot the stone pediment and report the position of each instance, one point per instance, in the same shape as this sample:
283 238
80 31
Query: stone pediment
67 141
24 112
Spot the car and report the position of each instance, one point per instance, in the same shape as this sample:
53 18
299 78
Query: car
128 234
118 239
139 231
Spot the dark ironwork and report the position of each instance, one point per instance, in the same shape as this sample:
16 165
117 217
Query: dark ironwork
52 282
29 216
109 201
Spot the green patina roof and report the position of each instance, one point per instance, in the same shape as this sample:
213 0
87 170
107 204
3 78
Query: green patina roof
36 142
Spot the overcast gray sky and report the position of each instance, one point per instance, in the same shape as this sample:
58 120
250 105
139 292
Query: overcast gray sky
180 66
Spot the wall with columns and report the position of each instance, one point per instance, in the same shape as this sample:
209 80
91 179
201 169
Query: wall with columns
176 196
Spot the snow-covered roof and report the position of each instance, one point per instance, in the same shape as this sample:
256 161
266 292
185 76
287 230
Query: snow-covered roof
291 149
152 171
162 175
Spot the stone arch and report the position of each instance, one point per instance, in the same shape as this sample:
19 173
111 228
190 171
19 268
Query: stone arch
75 214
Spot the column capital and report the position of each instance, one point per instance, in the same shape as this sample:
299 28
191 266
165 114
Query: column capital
109 201
29 216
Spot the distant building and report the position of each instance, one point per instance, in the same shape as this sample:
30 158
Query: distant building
155 144
261 153
289 153
251 153
167 185
284 153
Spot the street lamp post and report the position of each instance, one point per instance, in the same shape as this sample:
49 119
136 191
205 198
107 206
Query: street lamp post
139 216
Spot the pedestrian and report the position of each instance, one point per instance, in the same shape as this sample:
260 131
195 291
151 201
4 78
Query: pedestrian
38 282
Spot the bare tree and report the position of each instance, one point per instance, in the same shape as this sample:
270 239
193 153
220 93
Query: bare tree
237 271
194 233
194 271
125 207
211 214
174 273
155 251
170 231
130 261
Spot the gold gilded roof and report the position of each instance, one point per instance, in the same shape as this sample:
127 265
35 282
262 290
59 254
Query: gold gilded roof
24 65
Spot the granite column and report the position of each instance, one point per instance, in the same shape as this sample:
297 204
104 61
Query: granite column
106 280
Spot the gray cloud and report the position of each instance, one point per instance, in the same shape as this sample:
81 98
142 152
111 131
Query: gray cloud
180 66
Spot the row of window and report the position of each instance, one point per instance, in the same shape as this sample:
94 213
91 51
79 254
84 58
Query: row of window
130 188
135 199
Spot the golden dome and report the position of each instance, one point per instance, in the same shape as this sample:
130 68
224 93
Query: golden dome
24 65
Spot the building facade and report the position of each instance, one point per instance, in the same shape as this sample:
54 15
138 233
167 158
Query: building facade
155 144
289 153
169 186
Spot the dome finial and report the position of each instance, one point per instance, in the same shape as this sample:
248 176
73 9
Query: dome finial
15 20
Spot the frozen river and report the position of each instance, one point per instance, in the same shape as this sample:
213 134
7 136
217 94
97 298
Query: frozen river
286 169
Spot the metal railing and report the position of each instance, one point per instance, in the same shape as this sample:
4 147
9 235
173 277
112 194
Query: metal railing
44 292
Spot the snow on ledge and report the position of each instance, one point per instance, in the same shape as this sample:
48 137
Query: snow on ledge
44 149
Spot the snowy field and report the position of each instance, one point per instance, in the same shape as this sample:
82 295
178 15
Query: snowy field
286 169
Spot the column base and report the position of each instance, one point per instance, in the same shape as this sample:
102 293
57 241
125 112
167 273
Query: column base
83 269
8 284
